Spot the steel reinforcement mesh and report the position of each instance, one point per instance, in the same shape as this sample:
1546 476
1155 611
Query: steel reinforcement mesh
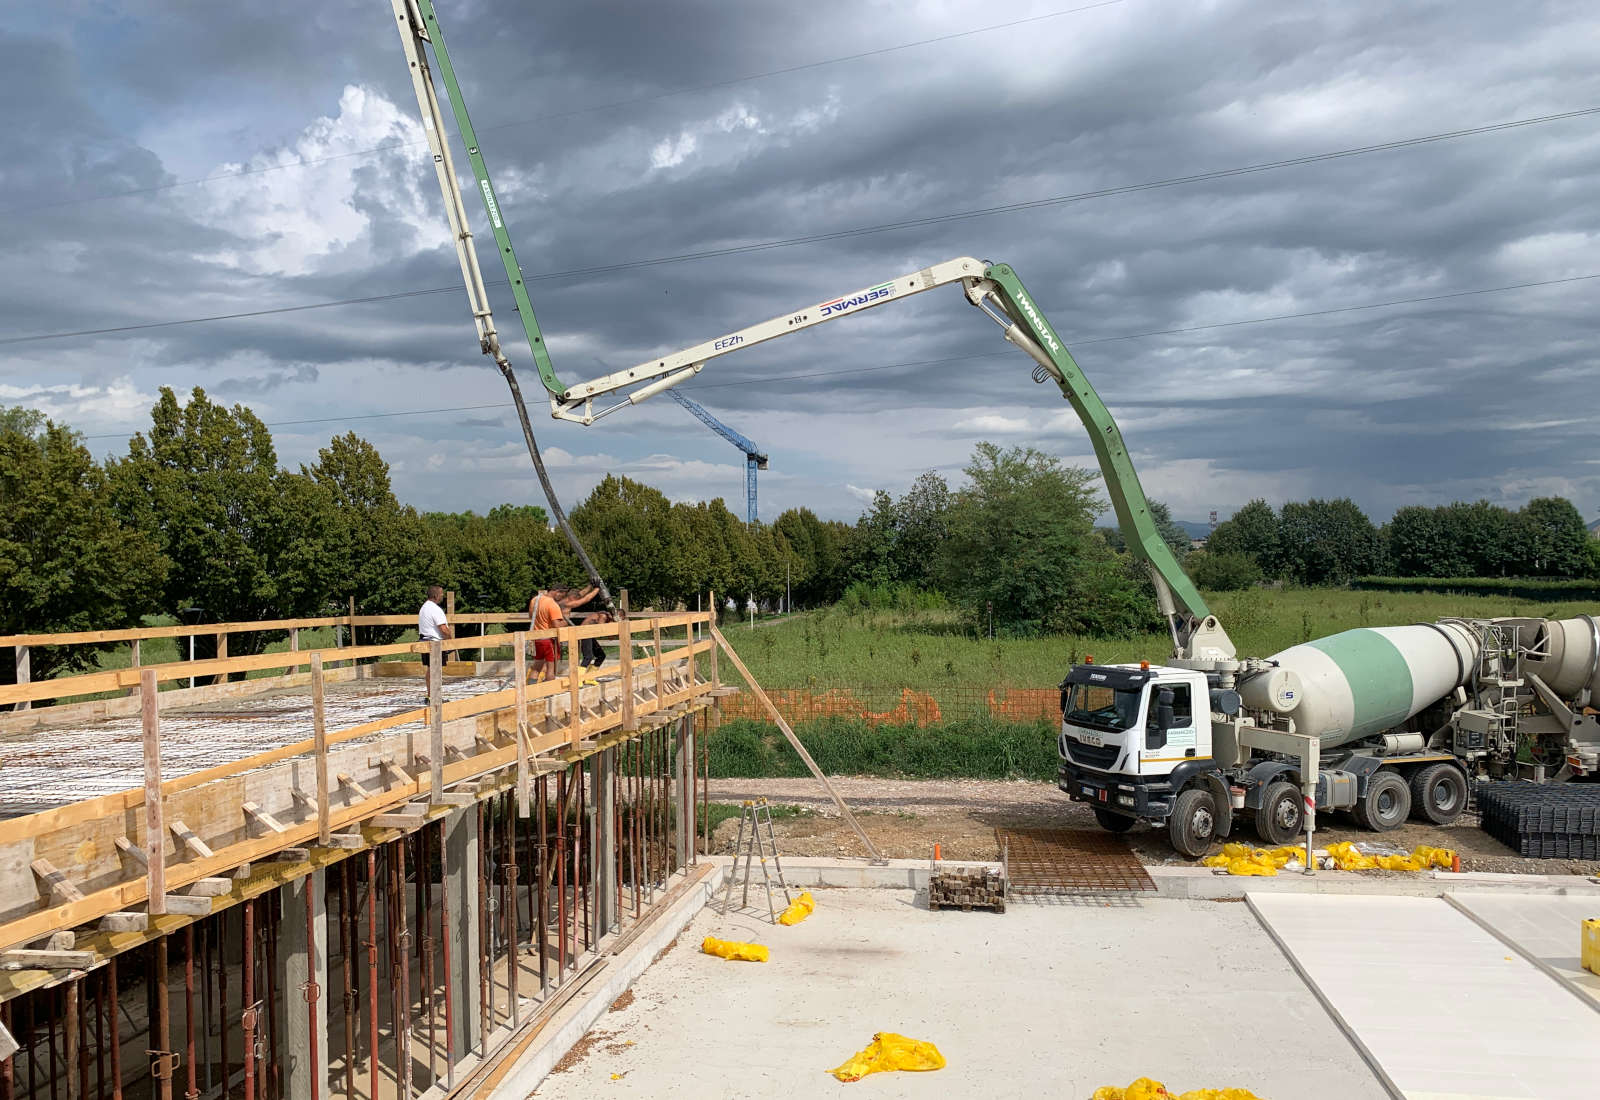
1553 821
1071 861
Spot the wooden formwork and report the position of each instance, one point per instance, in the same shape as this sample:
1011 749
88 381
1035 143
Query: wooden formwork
164 844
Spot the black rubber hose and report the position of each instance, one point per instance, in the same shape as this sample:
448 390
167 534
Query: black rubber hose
549 490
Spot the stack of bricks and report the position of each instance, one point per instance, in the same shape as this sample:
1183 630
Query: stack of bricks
967 889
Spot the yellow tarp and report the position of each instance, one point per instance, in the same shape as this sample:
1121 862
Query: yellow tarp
1347 857
1241 859
889 1051
1589 952
799 909
1146 1089
732 949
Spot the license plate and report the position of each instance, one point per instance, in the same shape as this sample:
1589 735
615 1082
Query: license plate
1089 791
1093 740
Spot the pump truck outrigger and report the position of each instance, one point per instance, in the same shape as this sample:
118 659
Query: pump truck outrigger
1384 722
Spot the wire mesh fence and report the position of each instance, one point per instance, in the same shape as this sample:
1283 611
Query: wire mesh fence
886 704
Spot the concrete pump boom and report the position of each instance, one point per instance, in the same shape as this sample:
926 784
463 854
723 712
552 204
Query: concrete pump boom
996 290
1197 637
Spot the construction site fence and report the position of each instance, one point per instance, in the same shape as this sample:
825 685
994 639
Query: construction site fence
889 705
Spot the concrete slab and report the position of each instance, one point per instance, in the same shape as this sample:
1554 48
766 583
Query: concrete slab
1544 930
1443 1007
1045 1000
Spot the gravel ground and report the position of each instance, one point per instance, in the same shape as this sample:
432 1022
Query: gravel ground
906 817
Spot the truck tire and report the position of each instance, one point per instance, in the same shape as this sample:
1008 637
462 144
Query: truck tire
1113 822
1387 804
1282 815
1193 824
1439 794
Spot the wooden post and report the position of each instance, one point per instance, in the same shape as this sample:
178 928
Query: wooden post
655 638
449 605
575 685
794 741
716 671
294 647
222 649
319 734
519 661
716 678
155 829
435 720
24 674
134 660
625 657
352 621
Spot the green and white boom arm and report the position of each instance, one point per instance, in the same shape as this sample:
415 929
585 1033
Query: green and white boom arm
995 289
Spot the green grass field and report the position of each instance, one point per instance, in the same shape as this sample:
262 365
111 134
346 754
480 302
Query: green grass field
930 650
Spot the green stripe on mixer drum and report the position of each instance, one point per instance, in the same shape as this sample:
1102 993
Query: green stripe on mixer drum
1379 677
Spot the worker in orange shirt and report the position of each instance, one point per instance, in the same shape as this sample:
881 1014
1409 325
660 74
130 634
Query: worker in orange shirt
548 611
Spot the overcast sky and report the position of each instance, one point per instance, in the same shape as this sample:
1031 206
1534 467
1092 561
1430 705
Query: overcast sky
172 159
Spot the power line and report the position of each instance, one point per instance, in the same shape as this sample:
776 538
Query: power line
971 358
306 162
789 242
341 419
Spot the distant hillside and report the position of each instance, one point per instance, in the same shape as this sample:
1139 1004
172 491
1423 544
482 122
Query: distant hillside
1594 528
1201 530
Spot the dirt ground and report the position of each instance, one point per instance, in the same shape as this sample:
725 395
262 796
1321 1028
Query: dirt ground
905 818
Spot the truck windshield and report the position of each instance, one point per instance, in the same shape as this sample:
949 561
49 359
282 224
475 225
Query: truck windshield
1102 708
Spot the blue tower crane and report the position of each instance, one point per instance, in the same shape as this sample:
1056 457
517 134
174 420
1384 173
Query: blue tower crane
753 458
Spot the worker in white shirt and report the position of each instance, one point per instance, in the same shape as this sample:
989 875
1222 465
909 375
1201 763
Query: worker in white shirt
432 626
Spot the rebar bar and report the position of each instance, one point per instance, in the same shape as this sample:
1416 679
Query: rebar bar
543 922
372 970
313 992
403 1020
347 942
247 1018
188 1012
446 933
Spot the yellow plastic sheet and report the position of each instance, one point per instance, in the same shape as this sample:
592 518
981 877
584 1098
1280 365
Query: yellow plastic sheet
732 949
889 1051
1241 859
1347 857
1146 1089
799 909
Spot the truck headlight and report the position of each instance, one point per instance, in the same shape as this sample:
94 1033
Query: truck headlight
1125 800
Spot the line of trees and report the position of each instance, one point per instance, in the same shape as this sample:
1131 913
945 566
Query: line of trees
1333 542
200 520
199 517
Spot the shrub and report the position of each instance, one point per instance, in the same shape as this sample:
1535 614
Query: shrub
1227 572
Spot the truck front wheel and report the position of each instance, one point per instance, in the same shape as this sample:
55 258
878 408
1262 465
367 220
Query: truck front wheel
1282 814
1112 821
1439 794
1193 825
1387 804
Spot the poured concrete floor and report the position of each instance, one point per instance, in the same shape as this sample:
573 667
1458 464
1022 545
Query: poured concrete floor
52 767
1044 1000
1446 1008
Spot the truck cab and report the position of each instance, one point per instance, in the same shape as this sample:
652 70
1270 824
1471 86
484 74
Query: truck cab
1133 739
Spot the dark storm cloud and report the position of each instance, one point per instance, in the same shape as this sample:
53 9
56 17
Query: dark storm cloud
1471 397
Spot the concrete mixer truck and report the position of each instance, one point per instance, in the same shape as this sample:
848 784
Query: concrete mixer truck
1386 723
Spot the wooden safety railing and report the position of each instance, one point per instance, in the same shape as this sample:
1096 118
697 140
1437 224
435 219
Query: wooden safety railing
27 691
663 686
